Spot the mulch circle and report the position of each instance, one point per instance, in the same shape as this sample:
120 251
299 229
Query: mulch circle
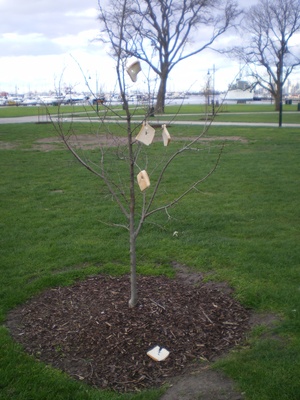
89 331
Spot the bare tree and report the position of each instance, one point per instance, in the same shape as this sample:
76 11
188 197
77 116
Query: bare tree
268 27
164 32
124 160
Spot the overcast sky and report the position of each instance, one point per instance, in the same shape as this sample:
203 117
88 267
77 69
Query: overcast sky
43 42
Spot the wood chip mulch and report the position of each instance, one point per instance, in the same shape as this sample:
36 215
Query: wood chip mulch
88 330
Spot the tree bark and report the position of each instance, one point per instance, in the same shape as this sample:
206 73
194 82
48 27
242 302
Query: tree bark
132 235
161 94
277 101
133 278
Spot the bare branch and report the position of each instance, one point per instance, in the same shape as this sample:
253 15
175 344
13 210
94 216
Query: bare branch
269 27
191 188
165 28
129 26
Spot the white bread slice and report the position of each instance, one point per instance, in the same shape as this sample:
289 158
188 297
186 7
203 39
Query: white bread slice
133 69
165 135
146 134
158 353
143 180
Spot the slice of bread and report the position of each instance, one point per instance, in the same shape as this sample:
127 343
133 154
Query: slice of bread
143 180
166 136
158 353
146 134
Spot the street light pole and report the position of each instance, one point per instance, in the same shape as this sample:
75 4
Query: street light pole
280 92
213 88
213 106
208 88
280 114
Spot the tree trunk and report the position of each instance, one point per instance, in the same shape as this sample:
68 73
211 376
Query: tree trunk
277 101
278 94
161 95
132 236
134 297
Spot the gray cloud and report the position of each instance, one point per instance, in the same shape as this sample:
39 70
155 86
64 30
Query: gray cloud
54 18
48 17
9 48
34 27
58 28
51 20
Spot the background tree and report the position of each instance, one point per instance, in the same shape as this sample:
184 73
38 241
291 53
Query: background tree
269 27
121 157
164 32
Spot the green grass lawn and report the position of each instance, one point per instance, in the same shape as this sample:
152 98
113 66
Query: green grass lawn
23 111
225 112
242 226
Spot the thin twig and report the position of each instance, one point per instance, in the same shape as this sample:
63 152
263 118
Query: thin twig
159 305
